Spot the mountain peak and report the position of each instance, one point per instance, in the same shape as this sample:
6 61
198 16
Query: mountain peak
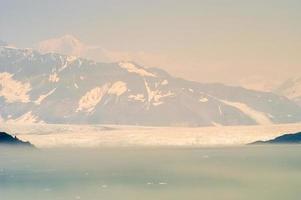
66 44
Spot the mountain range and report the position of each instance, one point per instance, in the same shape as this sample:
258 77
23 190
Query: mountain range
54 88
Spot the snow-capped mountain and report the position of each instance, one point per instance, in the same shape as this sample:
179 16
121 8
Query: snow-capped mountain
67 44
70 45
54 88
291 89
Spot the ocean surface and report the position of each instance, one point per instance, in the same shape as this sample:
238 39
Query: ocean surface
224 173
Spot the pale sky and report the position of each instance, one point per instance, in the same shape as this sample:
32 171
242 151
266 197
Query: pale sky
227 41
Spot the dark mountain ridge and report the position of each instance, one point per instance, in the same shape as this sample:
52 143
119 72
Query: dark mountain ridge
294 138
8 140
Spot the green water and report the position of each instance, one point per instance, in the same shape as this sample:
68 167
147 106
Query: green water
267 172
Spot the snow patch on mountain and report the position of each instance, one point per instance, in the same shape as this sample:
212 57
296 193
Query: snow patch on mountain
165 82
71 59
27 118
88 102
53 78
137 97
68 61
44 96
155 96
220 110
160 95
257 116
130 67
203 100
118 88
13 90
217 124
157 103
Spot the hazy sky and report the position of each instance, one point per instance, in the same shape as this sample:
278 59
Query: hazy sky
205 40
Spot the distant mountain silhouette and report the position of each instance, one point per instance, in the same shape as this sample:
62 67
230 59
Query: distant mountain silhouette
294 138
6 139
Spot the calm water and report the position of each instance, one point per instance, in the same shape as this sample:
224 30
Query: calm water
137 173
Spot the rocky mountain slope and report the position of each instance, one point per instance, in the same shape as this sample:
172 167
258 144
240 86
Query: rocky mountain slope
54 88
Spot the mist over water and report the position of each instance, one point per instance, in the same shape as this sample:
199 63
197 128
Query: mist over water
249 172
